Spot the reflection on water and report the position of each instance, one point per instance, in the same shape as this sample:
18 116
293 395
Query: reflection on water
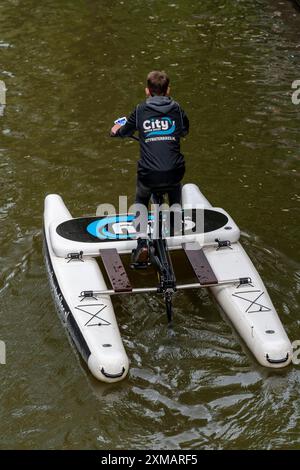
70 70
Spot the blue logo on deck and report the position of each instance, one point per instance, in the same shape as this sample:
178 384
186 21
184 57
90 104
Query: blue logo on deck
116 227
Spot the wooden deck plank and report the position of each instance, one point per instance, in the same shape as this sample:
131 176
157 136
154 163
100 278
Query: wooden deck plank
200 264
115 270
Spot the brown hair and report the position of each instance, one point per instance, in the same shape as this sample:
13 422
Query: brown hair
158 82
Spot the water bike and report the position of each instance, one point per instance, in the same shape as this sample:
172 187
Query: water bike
84 255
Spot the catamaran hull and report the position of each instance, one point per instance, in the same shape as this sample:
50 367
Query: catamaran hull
248 307
91 323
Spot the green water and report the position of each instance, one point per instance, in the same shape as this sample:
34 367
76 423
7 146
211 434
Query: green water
70 68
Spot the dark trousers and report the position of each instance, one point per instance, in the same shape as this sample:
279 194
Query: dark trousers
143 193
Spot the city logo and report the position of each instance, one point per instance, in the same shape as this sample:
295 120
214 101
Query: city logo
163 126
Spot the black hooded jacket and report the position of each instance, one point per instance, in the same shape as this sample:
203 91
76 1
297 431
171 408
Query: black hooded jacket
161 123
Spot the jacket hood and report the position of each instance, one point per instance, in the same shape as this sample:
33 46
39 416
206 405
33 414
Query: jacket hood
163 104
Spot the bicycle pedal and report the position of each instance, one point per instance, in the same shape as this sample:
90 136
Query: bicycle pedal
139 265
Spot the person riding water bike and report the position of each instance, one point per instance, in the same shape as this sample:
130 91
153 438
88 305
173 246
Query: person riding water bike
160 122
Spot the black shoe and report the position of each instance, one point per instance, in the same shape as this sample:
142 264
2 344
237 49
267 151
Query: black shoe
140 256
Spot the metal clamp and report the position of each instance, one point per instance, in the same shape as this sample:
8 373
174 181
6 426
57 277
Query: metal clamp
223 244
75 257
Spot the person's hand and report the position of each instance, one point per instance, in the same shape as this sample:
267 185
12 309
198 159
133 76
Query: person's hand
114 129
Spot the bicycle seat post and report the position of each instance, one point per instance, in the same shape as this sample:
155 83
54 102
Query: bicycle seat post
158 199
160 256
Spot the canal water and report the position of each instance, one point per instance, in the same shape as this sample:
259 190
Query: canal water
72 67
